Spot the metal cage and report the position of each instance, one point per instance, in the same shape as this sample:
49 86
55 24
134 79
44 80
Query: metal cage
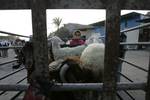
113 8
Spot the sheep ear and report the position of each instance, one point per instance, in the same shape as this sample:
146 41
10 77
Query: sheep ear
62 73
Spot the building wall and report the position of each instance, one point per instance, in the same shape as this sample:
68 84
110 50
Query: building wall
132 36
101 31
128 23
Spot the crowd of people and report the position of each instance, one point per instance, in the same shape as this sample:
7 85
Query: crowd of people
7 43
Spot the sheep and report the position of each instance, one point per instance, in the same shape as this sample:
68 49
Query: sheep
92 56
54 70
70 69
67 70
93 59
72 72
60 53
95 38
91 63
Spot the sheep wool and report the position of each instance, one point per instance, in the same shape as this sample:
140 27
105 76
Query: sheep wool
93 58
66 52
61 53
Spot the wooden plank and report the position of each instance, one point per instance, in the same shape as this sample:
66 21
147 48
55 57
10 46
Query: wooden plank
111 50
148 82
76 4
40 48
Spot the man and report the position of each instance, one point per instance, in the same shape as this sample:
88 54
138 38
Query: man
76 40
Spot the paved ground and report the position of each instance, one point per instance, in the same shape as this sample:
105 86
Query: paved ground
140 58
13 79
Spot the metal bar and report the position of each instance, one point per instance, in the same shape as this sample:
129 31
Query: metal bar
11 47
16 83
125 77
2 92
135 43
15 96
7 75
8 87
148 82
7 62
131 86
76 4
53 4
136 27
111 49
133 65
8 33
119 96
135 4
77 87
40 49
14 4
129 95
21 80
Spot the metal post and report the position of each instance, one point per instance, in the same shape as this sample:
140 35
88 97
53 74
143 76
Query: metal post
148 82
111 49
40 49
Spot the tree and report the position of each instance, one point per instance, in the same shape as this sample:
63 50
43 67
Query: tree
63 33
57 21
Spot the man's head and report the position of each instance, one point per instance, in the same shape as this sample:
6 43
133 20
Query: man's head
77 34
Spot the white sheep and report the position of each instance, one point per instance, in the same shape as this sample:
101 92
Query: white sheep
60 53
92 63
92 58
88 68
95 38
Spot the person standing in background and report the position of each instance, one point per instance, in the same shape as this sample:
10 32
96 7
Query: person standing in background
76 40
